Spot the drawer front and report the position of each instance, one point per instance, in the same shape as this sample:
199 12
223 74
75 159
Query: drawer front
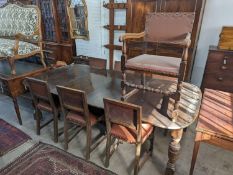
219 62
220 81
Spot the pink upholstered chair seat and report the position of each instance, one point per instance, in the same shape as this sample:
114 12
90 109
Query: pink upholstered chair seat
155 64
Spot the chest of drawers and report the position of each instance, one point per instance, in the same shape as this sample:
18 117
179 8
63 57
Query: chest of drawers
218 73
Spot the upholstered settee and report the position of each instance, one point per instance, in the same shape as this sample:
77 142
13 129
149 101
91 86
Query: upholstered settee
20 33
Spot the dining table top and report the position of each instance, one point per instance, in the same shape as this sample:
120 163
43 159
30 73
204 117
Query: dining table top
99 84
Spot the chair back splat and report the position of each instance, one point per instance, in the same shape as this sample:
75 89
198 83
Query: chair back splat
124 114
168 26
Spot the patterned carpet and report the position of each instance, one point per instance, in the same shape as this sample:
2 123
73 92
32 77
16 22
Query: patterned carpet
44 159
10 137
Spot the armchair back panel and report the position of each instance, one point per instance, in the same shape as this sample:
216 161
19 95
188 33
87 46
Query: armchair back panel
15 19
168 26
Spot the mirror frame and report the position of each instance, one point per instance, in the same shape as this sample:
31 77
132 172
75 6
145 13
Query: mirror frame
72 21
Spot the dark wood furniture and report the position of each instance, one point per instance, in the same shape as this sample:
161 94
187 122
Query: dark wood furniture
43 101
137 9
112 6
12 85
166 28
75 110
55 29
124 122
218 70
215 123
99 84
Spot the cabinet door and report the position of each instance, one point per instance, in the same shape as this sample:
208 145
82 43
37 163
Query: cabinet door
48 20
62 20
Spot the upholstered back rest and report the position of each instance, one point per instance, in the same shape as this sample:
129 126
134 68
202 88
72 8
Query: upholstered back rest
168 26
38 89
72 99
23 19
122 113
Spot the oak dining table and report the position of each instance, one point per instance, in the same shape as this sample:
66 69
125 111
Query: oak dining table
99 84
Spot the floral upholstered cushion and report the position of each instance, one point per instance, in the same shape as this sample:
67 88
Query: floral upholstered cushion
7 46
15 19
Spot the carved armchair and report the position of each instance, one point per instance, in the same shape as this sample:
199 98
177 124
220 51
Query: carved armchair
160 28
20 33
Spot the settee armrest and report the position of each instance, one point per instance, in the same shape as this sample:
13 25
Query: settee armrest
28 38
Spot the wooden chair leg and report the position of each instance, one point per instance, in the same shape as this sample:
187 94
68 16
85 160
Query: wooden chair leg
66 137
152 143
143 79
108 146
12 65
42 59
88 147
123 86
38 118
55 123
137 158
194 158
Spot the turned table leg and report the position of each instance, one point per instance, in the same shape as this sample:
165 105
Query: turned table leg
17 110
173 151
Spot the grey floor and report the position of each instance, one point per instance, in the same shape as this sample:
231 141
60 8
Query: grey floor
211 160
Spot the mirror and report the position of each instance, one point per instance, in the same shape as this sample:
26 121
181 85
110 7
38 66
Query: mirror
78 17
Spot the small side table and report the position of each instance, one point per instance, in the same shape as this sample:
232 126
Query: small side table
215 124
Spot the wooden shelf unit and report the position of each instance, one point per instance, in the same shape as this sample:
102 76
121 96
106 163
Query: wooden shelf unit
112 6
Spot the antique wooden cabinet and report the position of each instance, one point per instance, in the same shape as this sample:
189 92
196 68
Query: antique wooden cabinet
55 29
218 71
137 9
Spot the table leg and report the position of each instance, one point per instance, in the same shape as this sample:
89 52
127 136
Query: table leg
17 110
173 151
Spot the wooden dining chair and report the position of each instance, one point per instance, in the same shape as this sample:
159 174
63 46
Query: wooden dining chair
43 101
124 123
75 110
170 29
215 123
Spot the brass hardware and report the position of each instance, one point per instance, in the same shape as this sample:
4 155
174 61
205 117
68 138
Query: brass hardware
220 78
223 67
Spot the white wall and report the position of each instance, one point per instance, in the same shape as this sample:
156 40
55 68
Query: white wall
98 16
217 14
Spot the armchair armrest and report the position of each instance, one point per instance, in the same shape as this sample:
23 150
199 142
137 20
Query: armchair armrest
182 43
127 36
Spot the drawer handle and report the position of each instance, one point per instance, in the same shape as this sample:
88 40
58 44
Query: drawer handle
220 78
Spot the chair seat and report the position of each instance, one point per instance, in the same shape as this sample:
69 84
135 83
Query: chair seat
216 113
44 105
129 135
7 46
155 64
79 118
